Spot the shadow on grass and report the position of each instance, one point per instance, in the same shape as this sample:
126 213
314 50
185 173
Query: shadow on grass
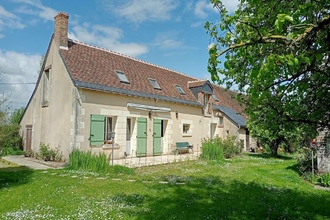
266 156
14 176
212 199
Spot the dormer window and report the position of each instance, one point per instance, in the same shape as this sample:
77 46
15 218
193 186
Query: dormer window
121 76
180 89
154 84
215 98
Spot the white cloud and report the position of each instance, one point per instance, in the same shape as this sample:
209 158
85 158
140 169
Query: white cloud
10 20
138 11
38 9
231 5
107 37
167 41
203 7
18 68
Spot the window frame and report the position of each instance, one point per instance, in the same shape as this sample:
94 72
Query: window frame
179 88
185 125
111 126
122 76
154 84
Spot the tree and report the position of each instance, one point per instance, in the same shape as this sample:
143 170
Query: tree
277 52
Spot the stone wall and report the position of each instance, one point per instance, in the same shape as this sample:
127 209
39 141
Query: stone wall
323 152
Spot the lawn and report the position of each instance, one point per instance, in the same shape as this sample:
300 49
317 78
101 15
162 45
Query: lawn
246 187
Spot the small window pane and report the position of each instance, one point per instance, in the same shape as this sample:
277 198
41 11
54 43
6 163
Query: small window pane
215 98
186 128
180 89
122 77
154 84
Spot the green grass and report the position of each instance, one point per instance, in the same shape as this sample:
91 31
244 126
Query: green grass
247 187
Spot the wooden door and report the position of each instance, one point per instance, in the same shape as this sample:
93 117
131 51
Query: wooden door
141 148
157 137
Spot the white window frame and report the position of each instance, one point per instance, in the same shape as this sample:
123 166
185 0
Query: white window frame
107 127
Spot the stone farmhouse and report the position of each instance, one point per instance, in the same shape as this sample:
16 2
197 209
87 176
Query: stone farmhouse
85 95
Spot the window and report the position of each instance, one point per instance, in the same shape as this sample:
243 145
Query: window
122 77
186 128
180 89
206 99
220 120
154 84
108 128
101 128
45 89
215 98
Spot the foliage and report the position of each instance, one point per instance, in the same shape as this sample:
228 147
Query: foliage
217 148
49 154
324 180
11 151
246 187
10 137
278 56
96 163
16 116
212 149
304 159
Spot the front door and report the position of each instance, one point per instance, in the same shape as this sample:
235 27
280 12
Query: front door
128 136
141 137
157 137
28 138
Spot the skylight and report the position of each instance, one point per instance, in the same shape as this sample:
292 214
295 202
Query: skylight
122 77
154 84
215 98
180 89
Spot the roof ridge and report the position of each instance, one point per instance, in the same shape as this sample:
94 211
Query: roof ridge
130 57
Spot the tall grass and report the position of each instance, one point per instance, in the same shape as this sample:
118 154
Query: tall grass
95 163
211 150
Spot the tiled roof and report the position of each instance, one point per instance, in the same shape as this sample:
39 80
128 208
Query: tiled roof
196 83
230 113
94 68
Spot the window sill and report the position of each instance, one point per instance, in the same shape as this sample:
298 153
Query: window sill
186 135
109 146
220 126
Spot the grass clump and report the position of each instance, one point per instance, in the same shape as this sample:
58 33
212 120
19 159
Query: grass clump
217 148
212 149
95 163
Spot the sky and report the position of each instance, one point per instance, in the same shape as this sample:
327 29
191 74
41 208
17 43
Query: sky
168 33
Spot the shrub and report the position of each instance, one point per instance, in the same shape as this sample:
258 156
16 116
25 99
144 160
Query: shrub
231 147
11 151
96 163
212 149
47 153
304 159
324 180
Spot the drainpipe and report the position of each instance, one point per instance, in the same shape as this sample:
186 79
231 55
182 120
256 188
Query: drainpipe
237 135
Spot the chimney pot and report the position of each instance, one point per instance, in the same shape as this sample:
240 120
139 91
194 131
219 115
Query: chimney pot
61 29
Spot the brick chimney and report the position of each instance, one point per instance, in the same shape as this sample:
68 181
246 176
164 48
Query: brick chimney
61 29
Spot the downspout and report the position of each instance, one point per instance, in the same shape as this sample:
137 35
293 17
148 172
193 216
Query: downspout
237 135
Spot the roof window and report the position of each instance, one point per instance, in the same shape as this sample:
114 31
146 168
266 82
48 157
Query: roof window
180 89
154 84
122 77
215 98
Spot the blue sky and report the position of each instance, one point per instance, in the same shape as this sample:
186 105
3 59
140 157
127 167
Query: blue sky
168 33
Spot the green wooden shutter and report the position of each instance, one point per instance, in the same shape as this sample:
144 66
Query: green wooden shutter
157 136
141 149
97 130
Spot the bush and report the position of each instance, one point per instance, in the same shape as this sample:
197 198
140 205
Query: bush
95 163
49 154
218 149
230 147
11 151
304 159
10 137
324 180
